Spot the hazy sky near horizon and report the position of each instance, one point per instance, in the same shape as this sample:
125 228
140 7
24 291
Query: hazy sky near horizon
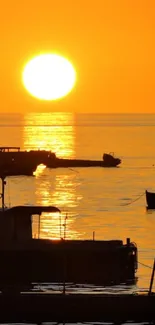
110 43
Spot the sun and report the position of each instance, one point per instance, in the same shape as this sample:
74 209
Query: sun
49 76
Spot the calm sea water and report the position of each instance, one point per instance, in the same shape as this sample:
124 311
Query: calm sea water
109 201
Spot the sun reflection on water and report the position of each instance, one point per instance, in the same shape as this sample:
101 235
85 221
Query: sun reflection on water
55 132
50 131
61 193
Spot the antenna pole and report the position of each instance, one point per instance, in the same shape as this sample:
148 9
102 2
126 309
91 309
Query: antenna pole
65 227
60 224
3 189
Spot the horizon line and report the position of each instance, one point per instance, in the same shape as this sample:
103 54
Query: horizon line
67 112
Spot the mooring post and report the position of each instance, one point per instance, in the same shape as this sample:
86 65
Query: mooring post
39 227
152 278
64 268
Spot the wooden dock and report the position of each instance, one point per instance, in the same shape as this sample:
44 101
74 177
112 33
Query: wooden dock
69 308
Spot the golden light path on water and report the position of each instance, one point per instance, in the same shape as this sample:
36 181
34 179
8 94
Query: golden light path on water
50 131
55 132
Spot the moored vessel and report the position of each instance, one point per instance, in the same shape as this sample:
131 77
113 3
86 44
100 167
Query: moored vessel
28 159
150 199
26 260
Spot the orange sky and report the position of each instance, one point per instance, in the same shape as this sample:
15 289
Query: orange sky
110 42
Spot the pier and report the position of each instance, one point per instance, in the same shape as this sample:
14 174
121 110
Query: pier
40 307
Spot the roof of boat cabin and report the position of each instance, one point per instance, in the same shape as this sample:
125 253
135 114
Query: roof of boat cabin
30 210
9 148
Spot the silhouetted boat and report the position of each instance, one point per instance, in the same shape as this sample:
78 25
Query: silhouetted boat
26 260
150 199
49 159
108 161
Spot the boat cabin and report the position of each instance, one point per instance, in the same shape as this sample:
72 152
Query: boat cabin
16 222
25 158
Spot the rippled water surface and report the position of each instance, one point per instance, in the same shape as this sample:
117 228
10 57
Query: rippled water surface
107 201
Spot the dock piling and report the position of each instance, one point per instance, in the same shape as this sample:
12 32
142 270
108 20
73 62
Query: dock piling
152 278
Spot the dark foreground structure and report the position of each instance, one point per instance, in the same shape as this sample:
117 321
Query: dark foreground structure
89 262
39 260
69 308
25 260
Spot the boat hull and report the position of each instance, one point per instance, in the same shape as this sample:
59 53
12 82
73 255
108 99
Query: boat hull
17 170
150 200
68 163
94 262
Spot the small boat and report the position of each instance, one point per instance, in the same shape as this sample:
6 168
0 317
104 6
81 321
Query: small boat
109 160
150 199
32 259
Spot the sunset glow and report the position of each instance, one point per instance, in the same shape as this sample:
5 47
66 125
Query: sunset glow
109 43
49 77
